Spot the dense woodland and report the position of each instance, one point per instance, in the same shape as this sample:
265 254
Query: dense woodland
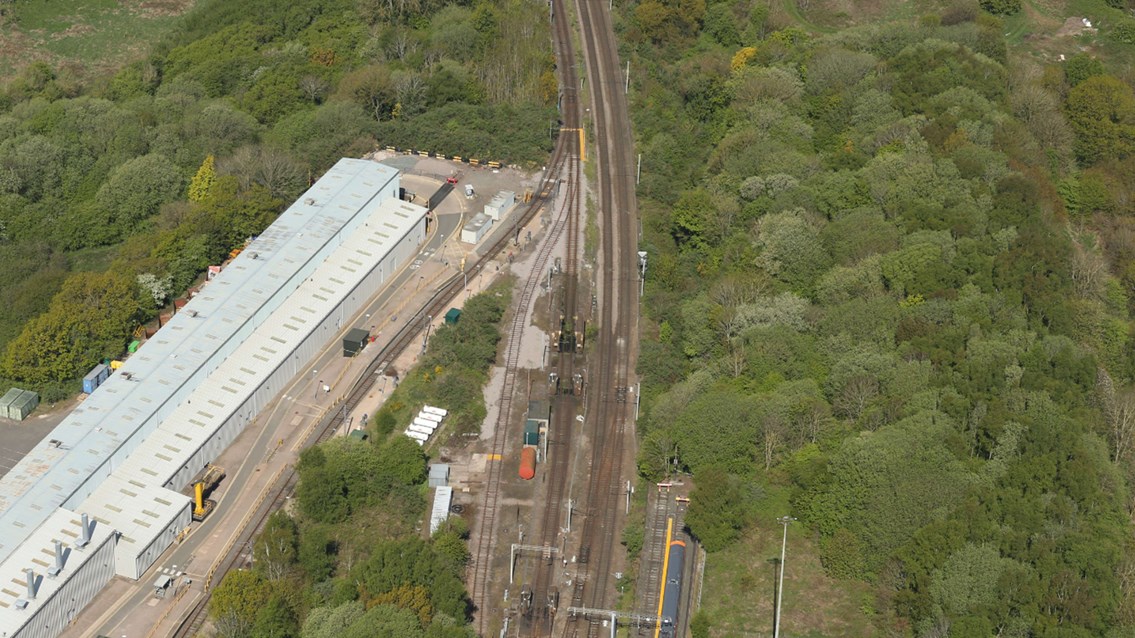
914 250
117 192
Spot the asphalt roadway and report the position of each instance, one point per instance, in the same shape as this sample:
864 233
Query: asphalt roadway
129 609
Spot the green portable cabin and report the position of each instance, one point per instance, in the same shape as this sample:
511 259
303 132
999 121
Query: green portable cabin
7 399
355 341
531 432
452 316
17 404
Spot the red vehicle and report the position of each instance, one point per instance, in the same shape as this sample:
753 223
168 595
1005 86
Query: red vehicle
452 179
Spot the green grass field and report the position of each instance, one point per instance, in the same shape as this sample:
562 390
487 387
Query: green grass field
88 35
740 582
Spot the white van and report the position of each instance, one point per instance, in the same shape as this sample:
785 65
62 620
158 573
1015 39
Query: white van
469 191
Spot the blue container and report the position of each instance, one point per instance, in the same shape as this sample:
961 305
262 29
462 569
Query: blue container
95 377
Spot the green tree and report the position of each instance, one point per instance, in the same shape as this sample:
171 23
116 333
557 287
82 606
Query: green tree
237 602
90 318
1080 67
276 619
133 193
1101 110
719 508
1001 7
202 183
276 548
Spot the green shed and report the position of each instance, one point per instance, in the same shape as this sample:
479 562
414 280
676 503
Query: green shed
452 316
133 347
531 432
358 435
17 404
355 341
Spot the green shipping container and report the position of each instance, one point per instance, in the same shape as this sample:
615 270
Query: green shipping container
133 347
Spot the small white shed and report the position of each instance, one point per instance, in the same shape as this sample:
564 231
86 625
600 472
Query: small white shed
476 228
499 206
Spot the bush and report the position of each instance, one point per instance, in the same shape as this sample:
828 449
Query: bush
1001 7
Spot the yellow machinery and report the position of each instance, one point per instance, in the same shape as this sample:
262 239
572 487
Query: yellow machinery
203 485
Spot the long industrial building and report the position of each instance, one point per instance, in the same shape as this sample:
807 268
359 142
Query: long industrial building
122 457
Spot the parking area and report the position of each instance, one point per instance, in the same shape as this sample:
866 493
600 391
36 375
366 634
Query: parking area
17 438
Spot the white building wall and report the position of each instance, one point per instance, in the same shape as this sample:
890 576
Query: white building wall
149 555
80 588
298 362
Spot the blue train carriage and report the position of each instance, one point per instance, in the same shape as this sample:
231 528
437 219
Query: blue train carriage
672 596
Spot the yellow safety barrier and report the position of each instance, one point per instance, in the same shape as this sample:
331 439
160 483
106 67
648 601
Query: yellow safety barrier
457 158
474 162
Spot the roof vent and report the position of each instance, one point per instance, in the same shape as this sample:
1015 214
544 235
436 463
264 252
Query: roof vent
85 532
254 255
31 583
58 566
21 604
128 375
191 312
310 201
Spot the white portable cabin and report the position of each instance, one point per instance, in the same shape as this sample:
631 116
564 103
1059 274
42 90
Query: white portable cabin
426 416
438 411
425 424
417 436
420 430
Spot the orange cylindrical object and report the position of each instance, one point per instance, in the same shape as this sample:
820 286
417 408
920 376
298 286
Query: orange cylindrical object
527 463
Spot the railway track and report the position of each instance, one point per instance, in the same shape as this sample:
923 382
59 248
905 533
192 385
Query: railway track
565 163
609 420
483 544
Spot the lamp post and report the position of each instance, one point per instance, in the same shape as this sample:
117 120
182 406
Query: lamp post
315 393
426 341
784 520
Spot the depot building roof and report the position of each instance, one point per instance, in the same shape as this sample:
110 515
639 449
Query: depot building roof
98 435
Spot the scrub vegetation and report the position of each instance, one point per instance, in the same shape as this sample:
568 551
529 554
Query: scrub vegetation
889 284
117 189
350 559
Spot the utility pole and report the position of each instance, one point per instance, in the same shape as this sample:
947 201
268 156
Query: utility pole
784 520
627 87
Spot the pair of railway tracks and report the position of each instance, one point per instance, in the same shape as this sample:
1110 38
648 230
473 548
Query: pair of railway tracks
565 165
611 427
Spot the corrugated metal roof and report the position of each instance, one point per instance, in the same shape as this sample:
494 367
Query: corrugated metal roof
164 453
126 408
39 554
138 510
